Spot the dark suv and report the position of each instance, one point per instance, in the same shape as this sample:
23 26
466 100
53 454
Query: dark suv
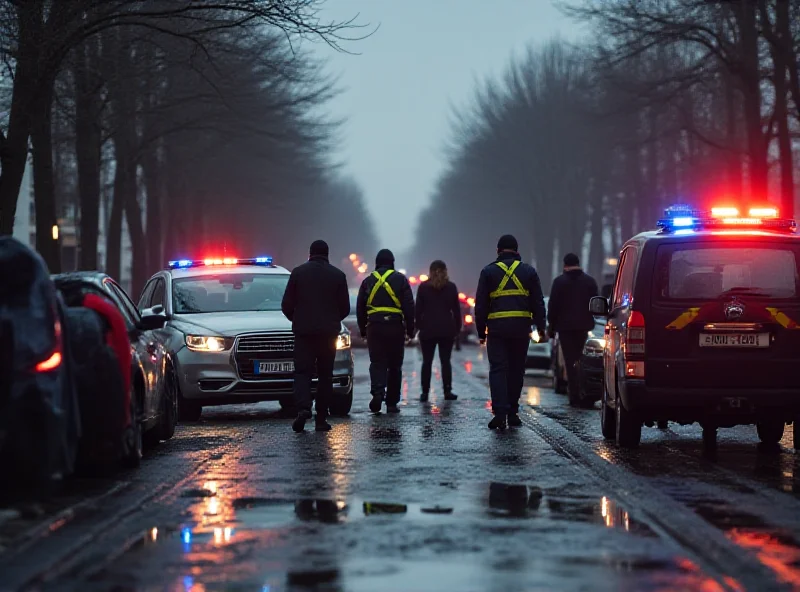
702 326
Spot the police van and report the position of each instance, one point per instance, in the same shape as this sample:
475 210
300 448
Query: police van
702 326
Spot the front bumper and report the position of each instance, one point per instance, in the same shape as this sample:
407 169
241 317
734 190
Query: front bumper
590 372
724 406
213 379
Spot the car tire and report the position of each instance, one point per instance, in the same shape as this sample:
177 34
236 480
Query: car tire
559 384
796 433
629 426
770 431
168 418
188 410
608 419
709 437
133 443
341 405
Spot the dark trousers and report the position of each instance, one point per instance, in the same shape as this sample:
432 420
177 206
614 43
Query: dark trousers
572 343
386 343
506 371
314 352
445 345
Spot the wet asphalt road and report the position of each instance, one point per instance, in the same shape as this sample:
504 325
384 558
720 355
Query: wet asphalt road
426 500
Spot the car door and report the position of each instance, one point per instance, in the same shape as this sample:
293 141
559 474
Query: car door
621 299
147 350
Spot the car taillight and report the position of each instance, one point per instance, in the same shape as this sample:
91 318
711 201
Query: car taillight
468 319
54 361
634 345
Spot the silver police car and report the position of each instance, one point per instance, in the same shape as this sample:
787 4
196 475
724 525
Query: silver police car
228 337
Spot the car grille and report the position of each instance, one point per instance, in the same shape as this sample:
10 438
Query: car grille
263 347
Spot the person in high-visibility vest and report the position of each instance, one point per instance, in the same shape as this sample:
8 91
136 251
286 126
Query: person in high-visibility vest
509 301
385 310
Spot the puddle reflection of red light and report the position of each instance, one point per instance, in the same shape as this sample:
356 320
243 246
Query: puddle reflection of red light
468 366
781 558
488 405
435 410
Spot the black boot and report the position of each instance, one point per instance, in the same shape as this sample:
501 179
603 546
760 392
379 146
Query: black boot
514 421
424 397
299 424
321 425
392 409
449 396
498 422
376 403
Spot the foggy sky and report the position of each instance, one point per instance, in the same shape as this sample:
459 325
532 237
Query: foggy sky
425 57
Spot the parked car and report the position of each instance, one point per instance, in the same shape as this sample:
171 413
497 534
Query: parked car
351 322
539 354
590 366
153 377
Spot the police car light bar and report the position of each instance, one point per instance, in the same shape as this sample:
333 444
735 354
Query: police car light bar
187 263
684 218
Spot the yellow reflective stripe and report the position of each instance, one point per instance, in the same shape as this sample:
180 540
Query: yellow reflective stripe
501 291
783 320
507 314
684 319
382 282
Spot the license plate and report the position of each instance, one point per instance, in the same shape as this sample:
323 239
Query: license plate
274 367
734 340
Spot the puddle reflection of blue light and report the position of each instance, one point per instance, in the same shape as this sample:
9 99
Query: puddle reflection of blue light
186 536
188 582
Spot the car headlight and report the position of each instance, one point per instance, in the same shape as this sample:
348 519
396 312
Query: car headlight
343 341
208 343
594 347
535 337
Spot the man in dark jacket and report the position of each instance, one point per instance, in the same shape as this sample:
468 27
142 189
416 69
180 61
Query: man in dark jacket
569 317
385 309
316 300
508 302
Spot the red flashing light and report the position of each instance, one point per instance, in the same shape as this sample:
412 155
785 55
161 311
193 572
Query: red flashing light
413 280
423 278
462 296
471 301
468 319
218 261
763 212
742 221
724 212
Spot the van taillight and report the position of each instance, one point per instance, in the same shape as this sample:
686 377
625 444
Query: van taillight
634 345
55 359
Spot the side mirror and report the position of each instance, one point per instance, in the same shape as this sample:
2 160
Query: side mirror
598 306
153 318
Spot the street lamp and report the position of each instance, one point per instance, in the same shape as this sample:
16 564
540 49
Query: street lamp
353 257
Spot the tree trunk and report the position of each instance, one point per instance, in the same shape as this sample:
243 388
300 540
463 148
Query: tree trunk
596 251
154 190
732 113
114 226
43 185
88 145
756 146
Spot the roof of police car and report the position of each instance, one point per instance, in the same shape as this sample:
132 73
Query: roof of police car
228 270
702 233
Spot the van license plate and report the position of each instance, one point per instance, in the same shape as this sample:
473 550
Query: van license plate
734 340
274 367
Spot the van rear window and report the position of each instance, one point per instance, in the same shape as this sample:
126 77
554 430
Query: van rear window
707 272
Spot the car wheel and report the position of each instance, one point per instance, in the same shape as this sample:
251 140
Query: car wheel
188 410
629 426
608 419
341 405
796 433
709 437
169 406
133 445
770 431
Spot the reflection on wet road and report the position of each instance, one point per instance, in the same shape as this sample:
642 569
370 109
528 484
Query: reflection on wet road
432 500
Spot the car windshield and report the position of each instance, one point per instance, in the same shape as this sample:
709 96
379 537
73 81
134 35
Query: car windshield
710 272
235 292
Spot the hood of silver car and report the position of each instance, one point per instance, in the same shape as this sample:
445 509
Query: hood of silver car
230 324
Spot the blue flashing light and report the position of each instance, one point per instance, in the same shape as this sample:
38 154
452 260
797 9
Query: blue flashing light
684 232
186 535
187 263
683 222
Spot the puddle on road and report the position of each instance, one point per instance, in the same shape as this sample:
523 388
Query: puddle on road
775 548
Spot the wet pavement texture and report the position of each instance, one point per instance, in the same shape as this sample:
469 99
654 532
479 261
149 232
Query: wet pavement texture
429 499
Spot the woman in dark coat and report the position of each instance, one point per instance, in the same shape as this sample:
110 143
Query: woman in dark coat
438 316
